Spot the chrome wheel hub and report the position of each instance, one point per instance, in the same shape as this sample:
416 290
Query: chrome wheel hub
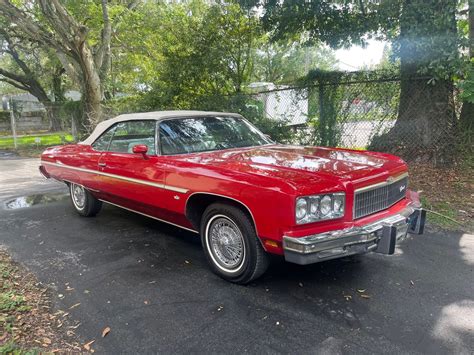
226 243
78 196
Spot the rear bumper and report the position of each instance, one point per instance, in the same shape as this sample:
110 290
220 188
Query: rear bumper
380 236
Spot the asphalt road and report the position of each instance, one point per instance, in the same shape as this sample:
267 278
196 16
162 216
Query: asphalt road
149 283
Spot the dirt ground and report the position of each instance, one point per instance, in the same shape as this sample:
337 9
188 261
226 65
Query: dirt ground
447 193
26 320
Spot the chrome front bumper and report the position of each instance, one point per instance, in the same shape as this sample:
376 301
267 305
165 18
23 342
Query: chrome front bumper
380 237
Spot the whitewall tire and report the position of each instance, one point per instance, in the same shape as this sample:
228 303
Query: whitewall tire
83 201
231 245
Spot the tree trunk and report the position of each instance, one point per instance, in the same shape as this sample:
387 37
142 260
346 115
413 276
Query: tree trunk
50 107
53 116
92 89
426 117
92 106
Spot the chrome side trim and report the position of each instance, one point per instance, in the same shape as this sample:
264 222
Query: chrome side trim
147 215
380 184
230 198
119 177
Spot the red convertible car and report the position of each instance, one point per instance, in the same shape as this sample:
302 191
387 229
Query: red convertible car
215 174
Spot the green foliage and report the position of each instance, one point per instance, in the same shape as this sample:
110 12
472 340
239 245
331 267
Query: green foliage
9 348
179 60
428 42
337 23
467 84
10 301
285 62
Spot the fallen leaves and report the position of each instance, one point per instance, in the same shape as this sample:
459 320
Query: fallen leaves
29 324
87 346
105 332
445 188
74 326
75 305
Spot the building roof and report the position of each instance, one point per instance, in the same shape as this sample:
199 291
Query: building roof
157 115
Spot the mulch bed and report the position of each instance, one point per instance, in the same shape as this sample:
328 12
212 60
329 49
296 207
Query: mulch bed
447 189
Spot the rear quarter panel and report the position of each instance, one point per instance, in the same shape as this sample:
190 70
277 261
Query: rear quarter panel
75 155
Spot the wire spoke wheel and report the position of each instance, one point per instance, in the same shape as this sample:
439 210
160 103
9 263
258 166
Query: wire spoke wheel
78 195
231 244
226 243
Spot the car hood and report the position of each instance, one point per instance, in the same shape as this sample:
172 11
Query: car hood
300 166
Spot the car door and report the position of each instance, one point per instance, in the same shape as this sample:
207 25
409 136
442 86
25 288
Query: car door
128 179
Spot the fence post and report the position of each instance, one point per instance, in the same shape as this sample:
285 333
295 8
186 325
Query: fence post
265 105
13 124
322 118
73 128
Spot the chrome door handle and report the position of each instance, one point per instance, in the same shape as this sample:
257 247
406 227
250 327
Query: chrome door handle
102 164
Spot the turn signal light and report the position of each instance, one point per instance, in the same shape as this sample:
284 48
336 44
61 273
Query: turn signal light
271 243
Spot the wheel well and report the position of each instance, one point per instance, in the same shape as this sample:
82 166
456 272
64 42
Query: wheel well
197 204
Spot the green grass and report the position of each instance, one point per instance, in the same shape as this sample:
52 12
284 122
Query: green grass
441 214
37 140
13 349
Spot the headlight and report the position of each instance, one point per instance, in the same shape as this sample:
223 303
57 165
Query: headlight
320 207
301 208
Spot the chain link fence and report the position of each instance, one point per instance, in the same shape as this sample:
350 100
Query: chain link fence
348 115
411 118
27 123
401 117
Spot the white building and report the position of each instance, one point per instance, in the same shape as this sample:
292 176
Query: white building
282 103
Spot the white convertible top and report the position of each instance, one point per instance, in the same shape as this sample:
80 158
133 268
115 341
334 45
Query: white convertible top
157 115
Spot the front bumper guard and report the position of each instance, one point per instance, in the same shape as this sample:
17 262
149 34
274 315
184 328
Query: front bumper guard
380 237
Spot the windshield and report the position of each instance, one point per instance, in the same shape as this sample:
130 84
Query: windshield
199 134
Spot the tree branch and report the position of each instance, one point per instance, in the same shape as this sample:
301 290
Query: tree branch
32 29
14 83
12 76
14 54
72 35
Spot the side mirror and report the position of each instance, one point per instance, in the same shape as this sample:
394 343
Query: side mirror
140 149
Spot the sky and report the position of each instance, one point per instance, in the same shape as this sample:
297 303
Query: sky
357 57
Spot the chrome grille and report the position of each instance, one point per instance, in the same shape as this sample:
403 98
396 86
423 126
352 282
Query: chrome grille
381 196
